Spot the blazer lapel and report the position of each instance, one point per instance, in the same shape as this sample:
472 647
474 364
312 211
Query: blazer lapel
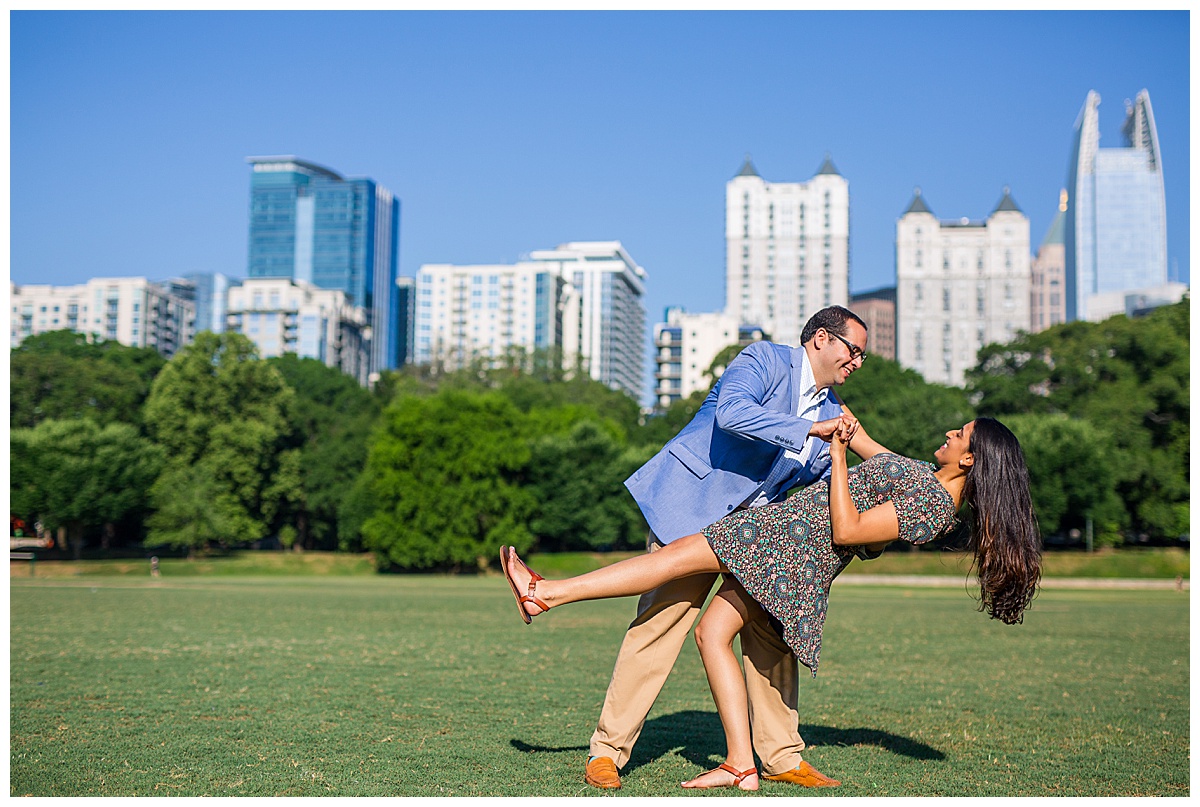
794 379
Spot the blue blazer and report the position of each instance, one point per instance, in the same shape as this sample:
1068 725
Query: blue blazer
745 426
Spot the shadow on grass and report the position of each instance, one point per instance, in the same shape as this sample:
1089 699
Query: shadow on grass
817 736
525 747
697 737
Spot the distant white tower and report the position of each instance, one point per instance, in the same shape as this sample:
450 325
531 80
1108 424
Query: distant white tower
787 249
583 297
960 285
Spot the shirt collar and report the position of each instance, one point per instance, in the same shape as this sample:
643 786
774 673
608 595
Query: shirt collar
808 383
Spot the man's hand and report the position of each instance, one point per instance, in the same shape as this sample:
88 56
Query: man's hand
841 437
825 429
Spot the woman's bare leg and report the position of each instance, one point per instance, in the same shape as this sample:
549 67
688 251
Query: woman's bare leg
724 619
637 575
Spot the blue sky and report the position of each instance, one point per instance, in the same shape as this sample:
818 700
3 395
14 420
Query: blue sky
505 132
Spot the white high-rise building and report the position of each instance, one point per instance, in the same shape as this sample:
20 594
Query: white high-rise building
685 346
960 285
604 321
281 315
787 249
583 298
464 313
131 310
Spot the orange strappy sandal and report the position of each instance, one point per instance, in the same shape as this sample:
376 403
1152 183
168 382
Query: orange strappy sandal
505 553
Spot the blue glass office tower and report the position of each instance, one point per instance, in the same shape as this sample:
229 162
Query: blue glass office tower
309 223
1116 222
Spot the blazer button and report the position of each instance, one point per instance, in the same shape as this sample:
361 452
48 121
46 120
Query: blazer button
730 507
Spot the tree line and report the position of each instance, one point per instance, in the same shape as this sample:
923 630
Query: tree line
114 446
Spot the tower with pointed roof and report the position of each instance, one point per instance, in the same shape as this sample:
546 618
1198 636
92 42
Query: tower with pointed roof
787 248
960 284
1115 233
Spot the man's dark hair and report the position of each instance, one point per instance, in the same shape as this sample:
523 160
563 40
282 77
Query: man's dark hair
832 319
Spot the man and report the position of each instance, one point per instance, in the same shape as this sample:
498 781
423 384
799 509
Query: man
763 429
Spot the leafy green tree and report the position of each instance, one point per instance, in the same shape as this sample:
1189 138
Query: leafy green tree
532 380
1071 475
193 510
536 380
551 402
145 361
216 408
578 481
61 375
446 475
1130 379
331 418
901 410
76 476
660 428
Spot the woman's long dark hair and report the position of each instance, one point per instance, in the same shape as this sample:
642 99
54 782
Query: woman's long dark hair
1004 530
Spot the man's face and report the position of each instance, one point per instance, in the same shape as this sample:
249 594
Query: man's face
837 357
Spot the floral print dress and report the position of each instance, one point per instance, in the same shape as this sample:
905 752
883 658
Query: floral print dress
783 554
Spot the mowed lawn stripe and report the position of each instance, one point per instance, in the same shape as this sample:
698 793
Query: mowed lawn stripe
431 685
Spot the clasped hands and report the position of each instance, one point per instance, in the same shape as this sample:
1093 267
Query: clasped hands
838 432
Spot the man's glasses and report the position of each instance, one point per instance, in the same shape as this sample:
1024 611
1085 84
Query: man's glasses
856 352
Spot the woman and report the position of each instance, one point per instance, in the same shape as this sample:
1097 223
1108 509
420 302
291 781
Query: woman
784 556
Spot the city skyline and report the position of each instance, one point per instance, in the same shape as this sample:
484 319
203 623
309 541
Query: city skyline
502 133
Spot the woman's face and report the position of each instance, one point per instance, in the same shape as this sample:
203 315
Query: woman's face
957 445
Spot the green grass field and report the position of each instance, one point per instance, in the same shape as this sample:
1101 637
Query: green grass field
431 686
1162 563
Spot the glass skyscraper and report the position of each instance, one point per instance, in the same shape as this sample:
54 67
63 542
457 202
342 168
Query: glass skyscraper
309 223
1116 222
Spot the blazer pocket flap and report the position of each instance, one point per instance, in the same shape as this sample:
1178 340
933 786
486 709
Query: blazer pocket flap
691 460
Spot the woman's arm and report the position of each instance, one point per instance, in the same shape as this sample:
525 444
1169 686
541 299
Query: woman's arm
879 525
862 443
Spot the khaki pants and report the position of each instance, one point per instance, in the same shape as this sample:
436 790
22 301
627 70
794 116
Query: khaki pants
649 650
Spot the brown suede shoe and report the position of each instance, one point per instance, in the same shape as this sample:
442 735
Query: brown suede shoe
602 772
804 775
